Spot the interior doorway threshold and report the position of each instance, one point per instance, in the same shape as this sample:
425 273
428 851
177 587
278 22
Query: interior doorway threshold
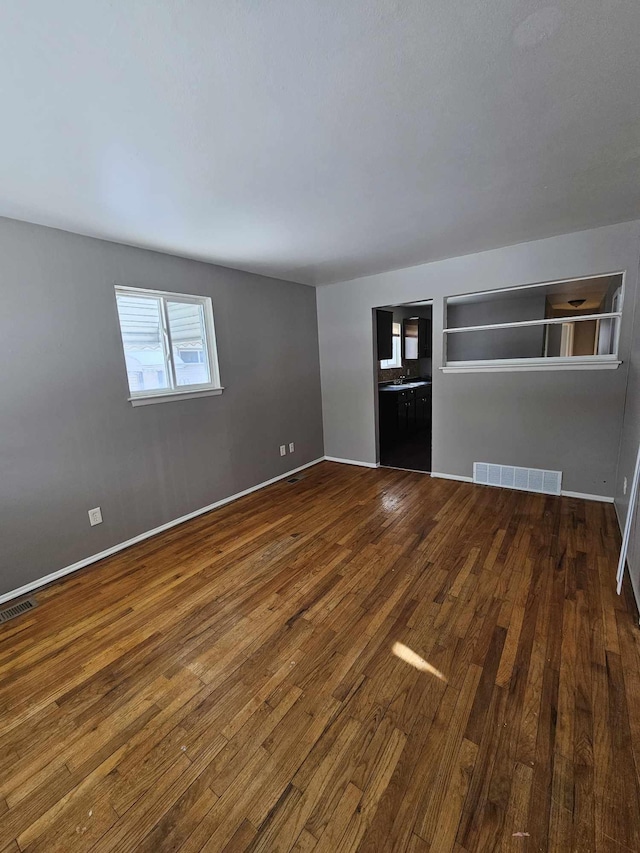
399 468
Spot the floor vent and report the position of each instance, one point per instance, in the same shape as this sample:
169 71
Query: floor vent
525 479
296 479
17 609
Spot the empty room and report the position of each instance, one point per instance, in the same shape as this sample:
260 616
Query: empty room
320 426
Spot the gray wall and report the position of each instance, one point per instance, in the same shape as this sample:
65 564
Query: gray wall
69 440
506 343
566 420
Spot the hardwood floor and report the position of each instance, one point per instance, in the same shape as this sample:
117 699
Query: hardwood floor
364 660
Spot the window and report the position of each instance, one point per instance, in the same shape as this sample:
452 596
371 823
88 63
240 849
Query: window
555 325
169 345
396 359
192 356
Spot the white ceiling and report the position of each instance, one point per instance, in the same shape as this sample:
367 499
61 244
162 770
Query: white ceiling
320 140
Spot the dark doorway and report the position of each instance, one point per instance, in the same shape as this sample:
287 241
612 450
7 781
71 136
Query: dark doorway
404 385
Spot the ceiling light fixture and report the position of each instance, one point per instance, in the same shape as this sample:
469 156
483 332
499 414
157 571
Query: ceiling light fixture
576 303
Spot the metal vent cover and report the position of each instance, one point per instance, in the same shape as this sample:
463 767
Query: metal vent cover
17 609
296 479
512 477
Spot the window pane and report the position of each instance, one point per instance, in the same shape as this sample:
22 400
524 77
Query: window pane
396 358
188 338
143 341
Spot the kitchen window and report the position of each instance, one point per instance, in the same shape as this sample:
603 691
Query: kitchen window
396 358
559 325
169 345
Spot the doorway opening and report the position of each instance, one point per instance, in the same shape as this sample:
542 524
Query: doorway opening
403 370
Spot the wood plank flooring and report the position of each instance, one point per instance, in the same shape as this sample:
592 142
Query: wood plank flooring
365 660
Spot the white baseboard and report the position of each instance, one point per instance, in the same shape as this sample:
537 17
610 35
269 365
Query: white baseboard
67 570
352 462
459 477
585 497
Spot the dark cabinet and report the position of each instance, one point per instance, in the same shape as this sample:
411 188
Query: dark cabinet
407 413
416 338
402 413
391 414
384 328
423 408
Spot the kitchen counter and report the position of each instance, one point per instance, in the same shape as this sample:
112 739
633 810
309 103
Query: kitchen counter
394 388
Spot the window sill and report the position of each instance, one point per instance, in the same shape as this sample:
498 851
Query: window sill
528 364
177 395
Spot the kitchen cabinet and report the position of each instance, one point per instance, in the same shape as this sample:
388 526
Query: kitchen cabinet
423 407
404 418
416 338
384 329
403 412
392 416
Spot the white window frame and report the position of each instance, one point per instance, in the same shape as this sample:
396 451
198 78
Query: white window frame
177 392
585 362
395 361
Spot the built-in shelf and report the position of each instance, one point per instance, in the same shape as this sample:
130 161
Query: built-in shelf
589 362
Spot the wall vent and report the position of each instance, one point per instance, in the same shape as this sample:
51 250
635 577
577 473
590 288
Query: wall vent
17 609
524 479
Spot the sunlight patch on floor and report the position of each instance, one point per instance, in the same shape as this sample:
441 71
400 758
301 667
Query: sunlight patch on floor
410 657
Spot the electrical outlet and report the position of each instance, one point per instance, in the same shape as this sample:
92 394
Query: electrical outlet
624 486
283 450
95 516
292 447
